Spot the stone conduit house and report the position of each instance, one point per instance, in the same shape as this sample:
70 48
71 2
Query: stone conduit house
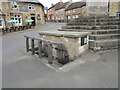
22 10
60 12
75 10
75 43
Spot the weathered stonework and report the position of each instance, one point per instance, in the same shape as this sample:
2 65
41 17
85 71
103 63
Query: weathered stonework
37 12
71 40
114 7
104 29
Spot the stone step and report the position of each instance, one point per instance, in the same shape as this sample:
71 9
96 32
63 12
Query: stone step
92 27
97 20
107 43
93 23
97 17
109 31
104 36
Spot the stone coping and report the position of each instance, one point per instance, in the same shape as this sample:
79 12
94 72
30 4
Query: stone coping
64 33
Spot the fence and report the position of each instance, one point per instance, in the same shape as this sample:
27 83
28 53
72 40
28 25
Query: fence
16 28
44 48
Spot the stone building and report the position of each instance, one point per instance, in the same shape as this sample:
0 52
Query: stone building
60 11
97 8
51 14
2 22
75 10
22 10
114 8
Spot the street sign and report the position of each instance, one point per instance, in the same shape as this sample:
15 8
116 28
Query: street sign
23 8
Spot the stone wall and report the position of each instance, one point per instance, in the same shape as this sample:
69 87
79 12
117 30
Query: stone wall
7 10
72 45
78 11
114 7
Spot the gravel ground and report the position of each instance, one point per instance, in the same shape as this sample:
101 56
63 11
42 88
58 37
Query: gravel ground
22 70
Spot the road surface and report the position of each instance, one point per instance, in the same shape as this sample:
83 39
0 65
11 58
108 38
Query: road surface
22 70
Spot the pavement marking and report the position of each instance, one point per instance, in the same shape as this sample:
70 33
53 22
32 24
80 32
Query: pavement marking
57 70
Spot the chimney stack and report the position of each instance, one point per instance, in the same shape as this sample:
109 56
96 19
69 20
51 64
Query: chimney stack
51 4
70 1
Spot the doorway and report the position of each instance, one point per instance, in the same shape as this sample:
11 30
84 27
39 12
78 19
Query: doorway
34 22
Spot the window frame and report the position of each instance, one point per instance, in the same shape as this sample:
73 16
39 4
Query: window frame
16 17
69 17
69 11
73 10
13 4
31 6
83 40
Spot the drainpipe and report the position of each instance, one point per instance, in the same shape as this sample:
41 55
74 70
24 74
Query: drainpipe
108 6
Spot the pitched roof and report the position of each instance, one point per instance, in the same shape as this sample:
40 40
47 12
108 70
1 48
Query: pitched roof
76 5
28 1
53 5
62 6
34 1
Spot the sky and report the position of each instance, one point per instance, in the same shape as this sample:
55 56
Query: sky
49 2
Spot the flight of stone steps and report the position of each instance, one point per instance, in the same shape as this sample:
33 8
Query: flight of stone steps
105 31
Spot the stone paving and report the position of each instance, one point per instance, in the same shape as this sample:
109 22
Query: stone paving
22 70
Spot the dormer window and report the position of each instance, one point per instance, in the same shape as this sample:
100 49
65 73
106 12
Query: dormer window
31 7
14 5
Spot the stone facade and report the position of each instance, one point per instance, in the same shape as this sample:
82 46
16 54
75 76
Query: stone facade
97 8
76 13
76 10
22 11
51 14
105 31
114 8
60 12
2 23
75 43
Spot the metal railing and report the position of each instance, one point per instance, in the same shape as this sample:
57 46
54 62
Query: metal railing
16 28
45 48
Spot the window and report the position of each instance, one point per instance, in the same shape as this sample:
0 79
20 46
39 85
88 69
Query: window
68 17
17 17
118 14
73 10
31 7
62 17
0 21
69 11
48 18
83 40
14 5
76 16
52 17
